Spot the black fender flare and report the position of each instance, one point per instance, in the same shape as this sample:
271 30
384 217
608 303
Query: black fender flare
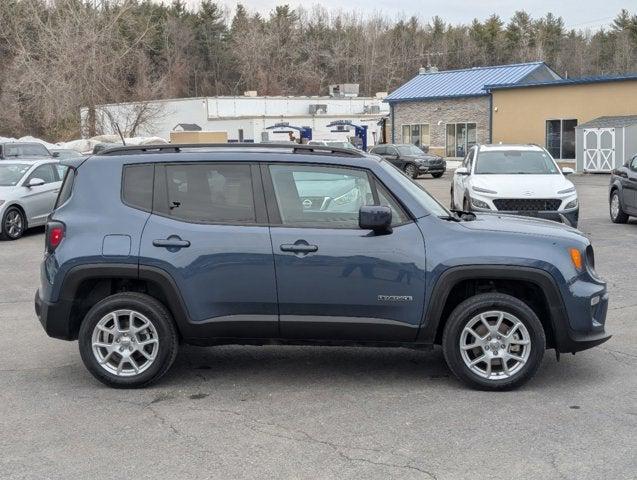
124 271
452 276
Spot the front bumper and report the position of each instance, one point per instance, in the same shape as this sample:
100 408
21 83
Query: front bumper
54 317
586 303
432 168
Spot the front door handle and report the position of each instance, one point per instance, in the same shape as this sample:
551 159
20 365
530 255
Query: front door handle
300 247
171 242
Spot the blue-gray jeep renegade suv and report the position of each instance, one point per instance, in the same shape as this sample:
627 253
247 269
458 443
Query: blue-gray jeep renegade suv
152 246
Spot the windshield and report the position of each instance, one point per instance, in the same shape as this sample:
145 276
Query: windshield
503 162
11 173
417 190
25 150
64 154
409 150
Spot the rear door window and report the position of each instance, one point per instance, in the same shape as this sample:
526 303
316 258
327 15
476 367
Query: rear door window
210 193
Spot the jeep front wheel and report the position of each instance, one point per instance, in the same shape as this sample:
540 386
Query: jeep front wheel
128 340
493 341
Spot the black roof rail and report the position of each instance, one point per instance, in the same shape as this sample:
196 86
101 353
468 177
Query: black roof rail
177 148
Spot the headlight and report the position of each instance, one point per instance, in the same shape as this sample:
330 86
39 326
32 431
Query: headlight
568 190
571 204
348 197
483 190
480 204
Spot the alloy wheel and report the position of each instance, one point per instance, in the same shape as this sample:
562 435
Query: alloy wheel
410 170
495 345
614 206
13 224
125 343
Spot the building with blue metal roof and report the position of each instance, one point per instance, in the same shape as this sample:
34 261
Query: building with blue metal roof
448 111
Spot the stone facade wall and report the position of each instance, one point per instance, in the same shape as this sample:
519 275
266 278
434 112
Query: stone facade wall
459 110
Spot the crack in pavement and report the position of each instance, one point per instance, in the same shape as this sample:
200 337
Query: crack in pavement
336 447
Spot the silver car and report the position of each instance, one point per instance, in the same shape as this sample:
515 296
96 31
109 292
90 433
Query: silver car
28 190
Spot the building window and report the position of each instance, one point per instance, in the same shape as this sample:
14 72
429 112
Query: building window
460 138
560 138
416 134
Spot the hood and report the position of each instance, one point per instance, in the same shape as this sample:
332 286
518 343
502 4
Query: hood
524 225
531 186
8 193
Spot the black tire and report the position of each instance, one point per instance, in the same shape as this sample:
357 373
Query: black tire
156 313
468 310
7 218
411 170
621 216
437 175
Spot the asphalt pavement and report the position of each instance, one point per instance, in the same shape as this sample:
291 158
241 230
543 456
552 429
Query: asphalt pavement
236 412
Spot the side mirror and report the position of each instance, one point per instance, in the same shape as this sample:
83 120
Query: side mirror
35 182
462 171
567 170
56 154
375 217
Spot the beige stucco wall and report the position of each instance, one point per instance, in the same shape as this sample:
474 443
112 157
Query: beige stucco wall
522 113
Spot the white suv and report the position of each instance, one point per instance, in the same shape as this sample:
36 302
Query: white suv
514 179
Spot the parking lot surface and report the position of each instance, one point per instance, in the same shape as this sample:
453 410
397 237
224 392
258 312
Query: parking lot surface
321 412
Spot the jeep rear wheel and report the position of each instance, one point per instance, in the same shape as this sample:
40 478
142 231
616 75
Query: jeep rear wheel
128 340
493 341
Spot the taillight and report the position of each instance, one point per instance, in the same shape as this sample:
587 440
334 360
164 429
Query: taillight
54 235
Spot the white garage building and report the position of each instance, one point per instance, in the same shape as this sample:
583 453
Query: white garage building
245 118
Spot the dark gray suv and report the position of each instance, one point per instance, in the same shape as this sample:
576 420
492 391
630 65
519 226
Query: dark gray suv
288 244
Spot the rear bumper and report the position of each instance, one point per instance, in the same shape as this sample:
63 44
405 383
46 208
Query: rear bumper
54 317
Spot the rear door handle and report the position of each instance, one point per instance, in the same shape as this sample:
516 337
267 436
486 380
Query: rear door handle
171 242
300 247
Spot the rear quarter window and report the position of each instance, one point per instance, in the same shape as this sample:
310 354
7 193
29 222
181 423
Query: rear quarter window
137 186
67 187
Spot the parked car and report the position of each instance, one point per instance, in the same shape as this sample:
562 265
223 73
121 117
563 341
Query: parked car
149 247
28 190
517 180
65 153
623 192
411 159
333 143
23 150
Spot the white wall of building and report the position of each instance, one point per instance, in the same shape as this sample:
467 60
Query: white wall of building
252 115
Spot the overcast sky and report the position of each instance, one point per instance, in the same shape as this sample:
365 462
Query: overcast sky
579 14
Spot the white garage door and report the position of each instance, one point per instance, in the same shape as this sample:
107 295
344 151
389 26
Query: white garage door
599 149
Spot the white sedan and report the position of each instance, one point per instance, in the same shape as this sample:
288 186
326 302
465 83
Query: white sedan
514 179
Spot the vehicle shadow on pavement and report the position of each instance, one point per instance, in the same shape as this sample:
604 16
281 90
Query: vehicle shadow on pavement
356 366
